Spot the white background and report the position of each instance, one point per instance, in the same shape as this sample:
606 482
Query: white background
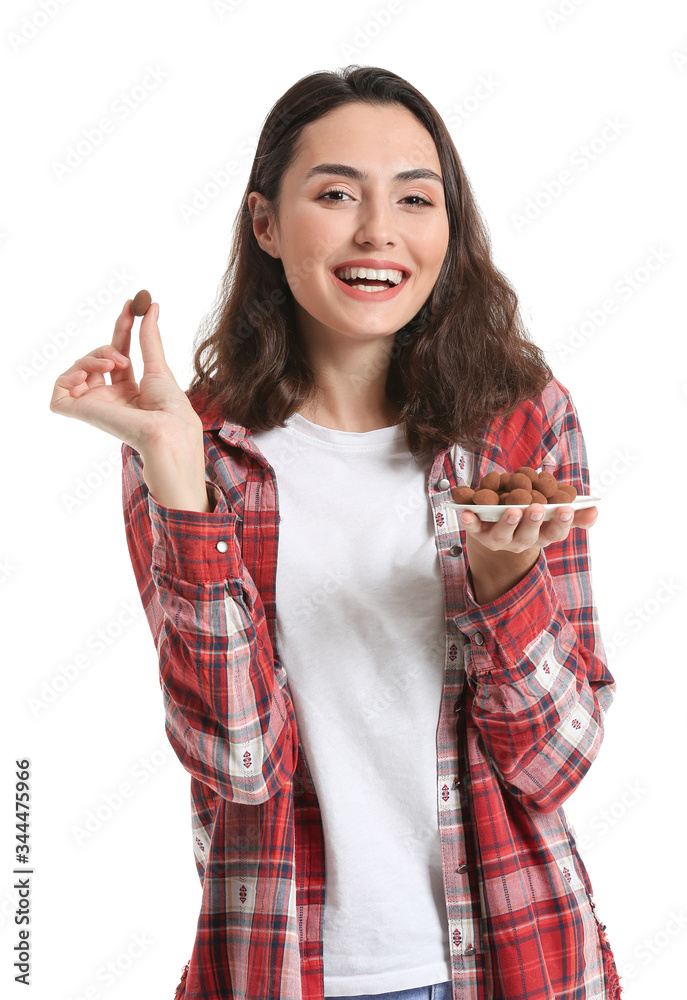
523 87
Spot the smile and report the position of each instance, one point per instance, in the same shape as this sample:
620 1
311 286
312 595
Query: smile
372 285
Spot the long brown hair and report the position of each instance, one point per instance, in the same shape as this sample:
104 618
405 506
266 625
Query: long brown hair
462 359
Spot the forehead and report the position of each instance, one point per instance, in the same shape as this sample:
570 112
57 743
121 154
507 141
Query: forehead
360 134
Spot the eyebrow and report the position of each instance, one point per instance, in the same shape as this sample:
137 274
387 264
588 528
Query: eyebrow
344 170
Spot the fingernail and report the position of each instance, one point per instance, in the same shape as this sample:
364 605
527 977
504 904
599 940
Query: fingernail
536 515
119 355
566 516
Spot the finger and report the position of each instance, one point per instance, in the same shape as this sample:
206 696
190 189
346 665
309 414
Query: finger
121 341
69 385
528 531
151 342
100 360
585 518
558 527
492 534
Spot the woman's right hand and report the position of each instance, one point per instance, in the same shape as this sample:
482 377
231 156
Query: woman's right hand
158 411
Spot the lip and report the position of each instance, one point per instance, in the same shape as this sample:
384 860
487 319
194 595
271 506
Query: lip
355 293
376 264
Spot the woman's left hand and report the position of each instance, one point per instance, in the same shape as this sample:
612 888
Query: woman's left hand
500 553
517 529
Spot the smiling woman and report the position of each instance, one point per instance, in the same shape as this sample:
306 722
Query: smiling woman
382 716
357 168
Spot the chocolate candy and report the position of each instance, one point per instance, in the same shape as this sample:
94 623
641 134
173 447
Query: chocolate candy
519 496
546 484
491 481
141 303
462 494
518 481
523 487
486 496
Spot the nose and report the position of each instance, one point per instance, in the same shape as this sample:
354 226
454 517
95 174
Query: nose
375 225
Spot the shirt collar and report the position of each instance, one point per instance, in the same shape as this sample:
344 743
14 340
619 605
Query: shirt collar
241 436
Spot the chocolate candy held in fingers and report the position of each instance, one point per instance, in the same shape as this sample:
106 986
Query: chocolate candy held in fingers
141 303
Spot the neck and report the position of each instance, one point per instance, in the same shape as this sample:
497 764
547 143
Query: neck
350 375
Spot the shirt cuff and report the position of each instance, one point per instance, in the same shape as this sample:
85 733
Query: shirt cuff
504 627
197 546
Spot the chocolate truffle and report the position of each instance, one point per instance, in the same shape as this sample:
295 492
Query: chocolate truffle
519 497
491 481
538 497
560 496
546 484
567 488
462 494
486 497
504 483
525 470
504 498
520 482
141 303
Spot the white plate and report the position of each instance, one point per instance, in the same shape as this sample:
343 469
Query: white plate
494 511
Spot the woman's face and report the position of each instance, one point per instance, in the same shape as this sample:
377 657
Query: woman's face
379 219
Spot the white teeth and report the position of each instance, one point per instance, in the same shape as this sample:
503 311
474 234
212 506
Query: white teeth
383 274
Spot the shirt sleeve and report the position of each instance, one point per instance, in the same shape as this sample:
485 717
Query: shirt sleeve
228 713
535 658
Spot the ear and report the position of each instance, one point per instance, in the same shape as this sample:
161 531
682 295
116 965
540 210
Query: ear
263 223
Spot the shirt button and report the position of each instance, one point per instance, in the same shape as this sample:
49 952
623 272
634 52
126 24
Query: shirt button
443 484
469 950
457 707
461 869
479 639
456 550
221 546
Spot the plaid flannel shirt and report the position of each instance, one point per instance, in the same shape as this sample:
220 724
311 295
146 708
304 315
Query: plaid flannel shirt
525 693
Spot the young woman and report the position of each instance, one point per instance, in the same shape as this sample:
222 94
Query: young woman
383 723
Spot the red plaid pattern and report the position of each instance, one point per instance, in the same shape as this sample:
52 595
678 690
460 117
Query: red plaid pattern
521 722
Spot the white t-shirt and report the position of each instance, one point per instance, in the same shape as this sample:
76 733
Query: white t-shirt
361 635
